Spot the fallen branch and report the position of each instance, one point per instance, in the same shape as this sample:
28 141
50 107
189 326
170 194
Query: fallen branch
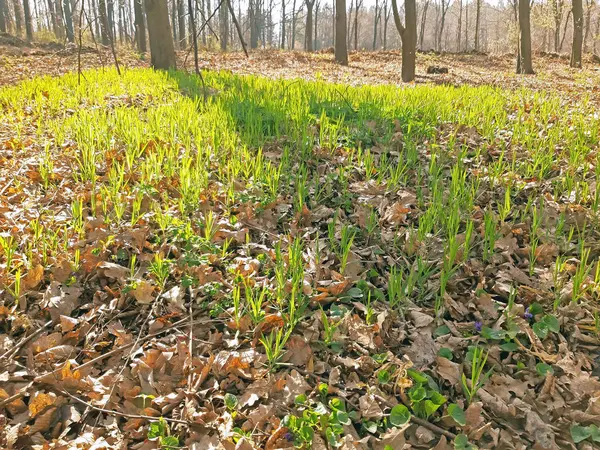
19 346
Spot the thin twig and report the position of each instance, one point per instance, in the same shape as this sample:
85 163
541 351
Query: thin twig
120 414
16 348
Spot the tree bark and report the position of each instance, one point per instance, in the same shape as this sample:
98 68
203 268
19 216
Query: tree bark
408 35
69 21
161 45
588 20
341 47
28 23
477 22
181 23
283 24
224 26
104 27
2 20
459 34
525 65
308 35
357 9
140 26
18 17
316 41
577 34
423 20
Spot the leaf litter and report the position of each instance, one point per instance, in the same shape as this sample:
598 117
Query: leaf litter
267 271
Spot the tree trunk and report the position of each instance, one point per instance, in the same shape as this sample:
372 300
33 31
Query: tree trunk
577 34
293 37
316 41
564 35
308 35
341 47
283 24
69 21
386 19
224 26
18 16
445 5
358 5
28 24
557 11
525 66
477 22
375 22
104 28
161 45
459 34
423 20
467 26
2 20
52 14
181 23
140 26
408 35
588 19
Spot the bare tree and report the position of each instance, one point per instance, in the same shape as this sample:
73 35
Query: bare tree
588 19
308 35
577 33
445 4
224 26
162 50
557 12
2 19
68 21
341 46
386 18
140 26
459 25
423 21
477 23
28 23
316 41
524 64
181 23
376 18
408 35
357 9
282 24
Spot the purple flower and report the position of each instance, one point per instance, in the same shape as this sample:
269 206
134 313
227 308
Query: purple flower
527 315
289 436
478 326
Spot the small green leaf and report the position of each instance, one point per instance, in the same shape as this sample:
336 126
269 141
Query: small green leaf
300 399
342 417
169 442
540 329
331 437
579 433
543 369
430 407
509 347
417 394
461 442
437 398
441 331
536 308
399 415
489 333
417 376
552 323
354 292
446 353
231 401
457 413
595 433
337 404
371 427
383 376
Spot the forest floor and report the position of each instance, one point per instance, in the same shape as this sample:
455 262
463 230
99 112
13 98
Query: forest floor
295 262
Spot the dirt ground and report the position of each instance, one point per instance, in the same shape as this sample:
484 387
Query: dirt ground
18 62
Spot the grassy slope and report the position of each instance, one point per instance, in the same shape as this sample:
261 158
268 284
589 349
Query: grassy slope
277 198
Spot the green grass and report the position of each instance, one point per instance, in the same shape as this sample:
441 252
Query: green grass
212 184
